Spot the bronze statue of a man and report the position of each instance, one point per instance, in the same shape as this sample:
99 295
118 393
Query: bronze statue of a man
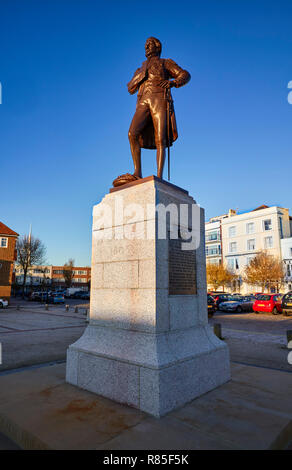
154 125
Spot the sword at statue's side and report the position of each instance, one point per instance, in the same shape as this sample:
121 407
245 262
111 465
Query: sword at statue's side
168 127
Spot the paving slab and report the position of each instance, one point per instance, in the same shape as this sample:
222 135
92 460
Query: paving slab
39 410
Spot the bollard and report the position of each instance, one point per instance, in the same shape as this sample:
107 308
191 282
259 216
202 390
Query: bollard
76 310
18 307
289 336
47 307
85 311
218 330
67 307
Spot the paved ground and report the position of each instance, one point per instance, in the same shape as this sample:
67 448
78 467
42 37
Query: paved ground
33 335
256 339
38 410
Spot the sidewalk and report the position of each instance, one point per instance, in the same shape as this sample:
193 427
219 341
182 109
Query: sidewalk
39 410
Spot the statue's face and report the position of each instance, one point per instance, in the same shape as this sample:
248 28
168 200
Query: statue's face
150 48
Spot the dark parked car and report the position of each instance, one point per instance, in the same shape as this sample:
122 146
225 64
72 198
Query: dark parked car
287 303
220 298
211 305
77 294
84 296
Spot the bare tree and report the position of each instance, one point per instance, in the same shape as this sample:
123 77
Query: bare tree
264 270
68 272
30 251
219 275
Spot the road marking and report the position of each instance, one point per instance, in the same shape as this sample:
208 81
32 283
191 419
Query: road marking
43 329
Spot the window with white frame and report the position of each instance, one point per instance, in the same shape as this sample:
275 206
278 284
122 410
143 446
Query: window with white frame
250 228
213 250
233 263
268 242
232 247
213 236
251 244
4 242
267 224
248 259
232 231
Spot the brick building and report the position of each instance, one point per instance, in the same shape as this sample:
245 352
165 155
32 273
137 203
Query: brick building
81 278
8 256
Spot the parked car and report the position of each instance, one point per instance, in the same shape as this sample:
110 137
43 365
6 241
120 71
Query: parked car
77 294
39 296
219 298
54 298
211 305
287 303
238 305
70 291
84 296
3 303
269 303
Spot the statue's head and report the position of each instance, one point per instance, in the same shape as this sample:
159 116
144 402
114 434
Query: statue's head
152 47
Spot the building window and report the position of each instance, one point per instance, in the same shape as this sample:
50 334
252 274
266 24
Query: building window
268 242
232 231
233 263
213 250
4 243
250 228
212 236
232 247
251 244
267 224
281 227
248 259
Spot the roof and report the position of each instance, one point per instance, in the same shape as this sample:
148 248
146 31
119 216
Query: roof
260 208
4 230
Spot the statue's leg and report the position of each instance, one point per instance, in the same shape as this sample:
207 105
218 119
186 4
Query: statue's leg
139 121
158 113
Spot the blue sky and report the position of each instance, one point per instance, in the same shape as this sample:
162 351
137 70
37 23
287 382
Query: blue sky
64 66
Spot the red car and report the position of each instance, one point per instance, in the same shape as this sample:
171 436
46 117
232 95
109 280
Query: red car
270 303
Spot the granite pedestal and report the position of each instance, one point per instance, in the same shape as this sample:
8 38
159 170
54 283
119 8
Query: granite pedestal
148 343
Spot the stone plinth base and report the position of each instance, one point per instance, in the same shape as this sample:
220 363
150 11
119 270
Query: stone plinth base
145 346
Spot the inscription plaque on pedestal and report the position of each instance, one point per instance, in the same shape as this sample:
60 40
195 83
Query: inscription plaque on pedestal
181 269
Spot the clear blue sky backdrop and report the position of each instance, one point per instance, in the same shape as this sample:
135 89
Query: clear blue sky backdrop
66 109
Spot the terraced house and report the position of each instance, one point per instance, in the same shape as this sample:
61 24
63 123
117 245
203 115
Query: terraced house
8 256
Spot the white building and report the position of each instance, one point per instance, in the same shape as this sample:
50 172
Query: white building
244 235
36 276
286 247
213 242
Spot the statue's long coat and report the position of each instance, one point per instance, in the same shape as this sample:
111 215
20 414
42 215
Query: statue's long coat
146 79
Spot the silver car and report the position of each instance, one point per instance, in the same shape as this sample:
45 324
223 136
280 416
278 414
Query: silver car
238 305
3 303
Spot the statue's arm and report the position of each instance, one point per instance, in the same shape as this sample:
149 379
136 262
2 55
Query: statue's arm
138 77
181 76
